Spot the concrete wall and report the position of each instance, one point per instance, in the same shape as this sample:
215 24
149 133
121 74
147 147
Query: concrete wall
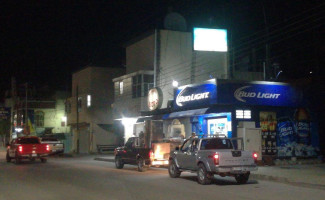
248 76
97 82
124 104
140 55
178 61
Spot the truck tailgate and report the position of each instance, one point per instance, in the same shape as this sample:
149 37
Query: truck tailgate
34 148
235 158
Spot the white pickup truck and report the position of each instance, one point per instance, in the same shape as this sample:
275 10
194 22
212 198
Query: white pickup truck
209 156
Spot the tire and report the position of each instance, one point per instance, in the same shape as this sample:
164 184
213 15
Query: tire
8 159
17 160
43 160
242 178
141 165
118 162
203 177
173 169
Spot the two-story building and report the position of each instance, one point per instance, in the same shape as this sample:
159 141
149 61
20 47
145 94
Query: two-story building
167 58
89 109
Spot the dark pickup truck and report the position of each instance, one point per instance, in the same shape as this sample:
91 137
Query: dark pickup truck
133 153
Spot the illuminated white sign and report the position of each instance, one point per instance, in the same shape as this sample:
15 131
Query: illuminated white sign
193 97
240 93
206 39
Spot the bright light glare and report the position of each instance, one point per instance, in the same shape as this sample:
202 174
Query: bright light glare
18 129
175 84
129 121
210 39
64 119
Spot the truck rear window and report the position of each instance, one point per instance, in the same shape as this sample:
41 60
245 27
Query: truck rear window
28 141
216 143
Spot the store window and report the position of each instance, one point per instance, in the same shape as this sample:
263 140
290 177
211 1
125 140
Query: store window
118 88
243 114
39 119
141 84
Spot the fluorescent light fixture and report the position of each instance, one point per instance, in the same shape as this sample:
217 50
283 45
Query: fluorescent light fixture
88 100
206 39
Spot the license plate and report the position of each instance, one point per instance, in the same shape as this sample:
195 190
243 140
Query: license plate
239 169
34 155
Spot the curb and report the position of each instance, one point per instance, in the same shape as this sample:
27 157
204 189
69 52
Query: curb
284 180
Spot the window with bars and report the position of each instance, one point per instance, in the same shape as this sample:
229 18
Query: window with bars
243 114
141 84
39 119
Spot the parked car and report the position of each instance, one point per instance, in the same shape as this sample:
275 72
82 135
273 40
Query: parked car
209 156
134 154
28 147
56 146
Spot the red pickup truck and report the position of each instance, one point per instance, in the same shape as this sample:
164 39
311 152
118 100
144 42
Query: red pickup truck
28 147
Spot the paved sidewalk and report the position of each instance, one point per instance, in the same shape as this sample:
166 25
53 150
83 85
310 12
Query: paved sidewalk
305 175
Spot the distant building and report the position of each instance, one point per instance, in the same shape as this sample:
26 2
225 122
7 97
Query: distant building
89 112
45 111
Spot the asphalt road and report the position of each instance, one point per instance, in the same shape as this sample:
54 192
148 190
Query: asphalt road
81 178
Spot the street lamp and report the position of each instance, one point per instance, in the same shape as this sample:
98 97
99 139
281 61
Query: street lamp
175 83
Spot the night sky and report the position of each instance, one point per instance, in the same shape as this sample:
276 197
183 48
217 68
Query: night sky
43 42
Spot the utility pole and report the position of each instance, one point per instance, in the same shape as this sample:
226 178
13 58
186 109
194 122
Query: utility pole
267 47
77 109
26 111
13 106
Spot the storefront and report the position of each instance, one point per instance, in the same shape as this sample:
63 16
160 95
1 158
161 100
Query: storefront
269 115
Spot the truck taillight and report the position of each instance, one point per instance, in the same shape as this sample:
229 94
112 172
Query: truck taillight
151 154
47 147
216 159
20 149
255 156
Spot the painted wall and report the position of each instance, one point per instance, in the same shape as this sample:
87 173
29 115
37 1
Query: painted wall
140 55
178 61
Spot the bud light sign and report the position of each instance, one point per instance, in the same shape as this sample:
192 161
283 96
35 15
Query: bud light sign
286 133
197 95
257 93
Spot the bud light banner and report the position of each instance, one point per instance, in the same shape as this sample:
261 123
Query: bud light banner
257 93
196 95
297 135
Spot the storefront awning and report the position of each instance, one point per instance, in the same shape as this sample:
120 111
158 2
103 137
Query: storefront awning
186 113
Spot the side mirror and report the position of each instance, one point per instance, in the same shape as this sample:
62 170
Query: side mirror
177 148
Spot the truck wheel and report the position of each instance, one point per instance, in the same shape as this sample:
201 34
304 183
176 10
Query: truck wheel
43 160
173 170
118 162
141 165
203 177
17 160
8 157
242 178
